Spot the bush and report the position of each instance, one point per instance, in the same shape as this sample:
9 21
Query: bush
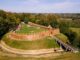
74 36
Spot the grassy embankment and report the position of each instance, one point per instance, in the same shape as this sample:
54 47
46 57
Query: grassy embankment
44 43
62 37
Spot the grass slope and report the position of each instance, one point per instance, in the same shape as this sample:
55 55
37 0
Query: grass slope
45 43
62 37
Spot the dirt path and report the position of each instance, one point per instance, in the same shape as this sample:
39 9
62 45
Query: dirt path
27 52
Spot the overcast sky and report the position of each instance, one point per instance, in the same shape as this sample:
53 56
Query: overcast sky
41 6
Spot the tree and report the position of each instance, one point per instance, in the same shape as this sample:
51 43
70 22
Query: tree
26 20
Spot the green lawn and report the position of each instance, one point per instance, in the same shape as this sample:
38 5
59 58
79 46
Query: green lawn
62 37
47 42
26 29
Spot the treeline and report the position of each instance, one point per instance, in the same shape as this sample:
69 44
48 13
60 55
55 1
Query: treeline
9 21
74 36
71 28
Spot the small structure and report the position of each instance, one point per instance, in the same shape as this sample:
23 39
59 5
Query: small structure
50 27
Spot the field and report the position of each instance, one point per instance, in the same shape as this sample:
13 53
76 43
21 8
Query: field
64 56
69 56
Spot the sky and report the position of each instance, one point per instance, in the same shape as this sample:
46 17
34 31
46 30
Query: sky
41 6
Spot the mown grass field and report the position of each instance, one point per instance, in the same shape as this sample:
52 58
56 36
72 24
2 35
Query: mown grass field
26 29
44 43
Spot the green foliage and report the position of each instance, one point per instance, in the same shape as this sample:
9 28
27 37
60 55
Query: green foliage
26 20
63 37
64 25
11 20
74 36
8 21
54 24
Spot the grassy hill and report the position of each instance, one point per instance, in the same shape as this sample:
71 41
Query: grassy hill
44 43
